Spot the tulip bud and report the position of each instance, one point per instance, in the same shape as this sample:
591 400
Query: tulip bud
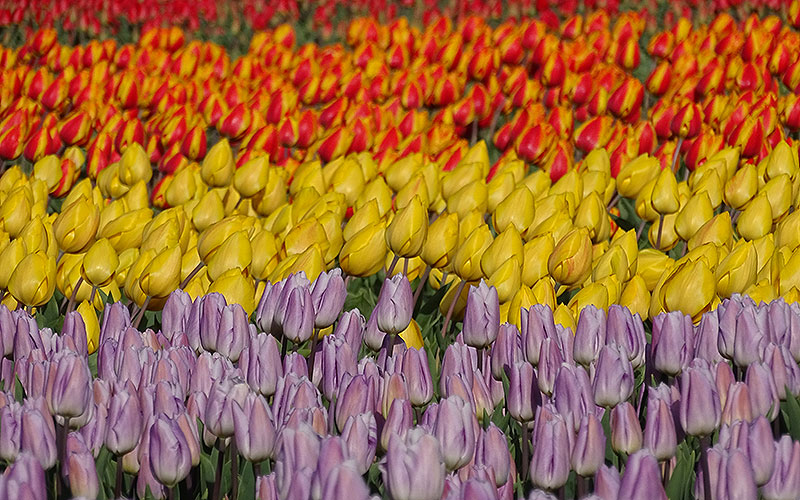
700 410
438 252
414 467
550 463
481 316
641 478
218 165
522 397
570 262
33 280
364 253
588 453
406 234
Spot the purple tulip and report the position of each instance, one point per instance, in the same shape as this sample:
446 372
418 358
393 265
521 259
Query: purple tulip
613 377
68 389
81 469
253 429
94 432
627 332
373 336
414 467
550 359
418 376
550 464
763 391
458 359
298 451
540 495
327 295
344 482
266 488
294 393
590 335
32 373
295 364
287 286
589 451
455 429
572 394
491 450
297 320
8 329
506 350
785 480
24 479
74 329
737 404
705 338
223 396
170 455
537 324
626 434
673 342
398 421
332 452
337 359
37 437
660 436
351 328
727 313
745 345
10 431
205 316
523 396
481 316
175 313
755 440
116 318
642 478
736 477
360 435
395 305
784 369
607 482
700 410
355 396
233 332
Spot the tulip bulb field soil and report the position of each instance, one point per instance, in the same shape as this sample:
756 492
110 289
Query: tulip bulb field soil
410 250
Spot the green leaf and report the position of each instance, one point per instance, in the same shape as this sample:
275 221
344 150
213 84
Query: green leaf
681 483
790 409
247 482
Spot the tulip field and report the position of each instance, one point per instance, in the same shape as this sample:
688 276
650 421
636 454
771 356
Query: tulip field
403 250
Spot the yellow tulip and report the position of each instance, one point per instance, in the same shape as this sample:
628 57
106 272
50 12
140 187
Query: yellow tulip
377 190
710 184
212 237
613 262
599 182
218 166
15 211
468 224
544 292
182 188
787 233
237 289
48 169
234 253
477 154
665 199
516 209
755 220
652 265
637 173
669 236
302 236
689 289
789 274
33 280
741 188
506 279
137 196
782 160
332 224
162 275
563 316
627 241
697 211
738 271
644 203
523 299
461 300
594 294
636 297
126 231
252 177
75 227
348 180
400 172
439 249
364 216
592 215
557 225
471 197
571 260
507 245
273 195
499 188
538 182
363 254
134 165
779 193
762 292
100 263
406 233
412 336
468 255
92 325
571 185
11 256
597 161
718 230
534 261
310 262
127 258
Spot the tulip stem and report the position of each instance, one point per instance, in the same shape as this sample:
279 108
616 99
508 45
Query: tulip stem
218 473
639 230
74 295
422 281
61 443
312 354
405 267
191 275
118 484
660 228
256 470
480 359
141 312
474 137
452 307
675 154
234 470
395 260
525 450
705 444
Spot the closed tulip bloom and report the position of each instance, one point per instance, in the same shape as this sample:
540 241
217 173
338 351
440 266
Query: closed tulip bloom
253 429
492 451
360 436
37 437
506 350
328 295
83 480
626 434
481 316
414 467
251 177
785 481
641 480
588 453
124 421
399 420
550 359
763 392
613 377
693 215
590 335
571 260
418 378
260 363
297 320
537 325
741 188
455 430
690 289
737 404
99 263
406 233
224 394
748 337
438 252
468 255
364 253
523 395
10 431
75 227
515 209
162 275
233 332
550 463
355 396
33 281
659 431
673 343
218 165
700 409
234 252
394 307
68 392
169 454
635 174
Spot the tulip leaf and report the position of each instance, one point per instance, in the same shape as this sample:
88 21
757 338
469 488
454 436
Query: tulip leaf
681 483
247 482
432 303
791 415
105 474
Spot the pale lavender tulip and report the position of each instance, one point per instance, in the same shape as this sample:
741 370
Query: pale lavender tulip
590 335
481 316
327 296
395 305
642 478
414 467
254 430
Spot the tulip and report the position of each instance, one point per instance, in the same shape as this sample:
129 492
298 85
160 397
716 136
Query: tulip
660 437
33 280
37 437
641 480
417 374
218 166
360 439
364 253
10 431
672 344
492 451
354 397
414 467
399 420
636 174
590 335
700 409
570 262
455 430
468 256
626 434
224 394
253 429
785 480
76 226
481 316
125 421
394 307
68 391
613 378
297 318
588 452
169 453
234 252
406 234
522 397
550 464
328 295
260 363
763 391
